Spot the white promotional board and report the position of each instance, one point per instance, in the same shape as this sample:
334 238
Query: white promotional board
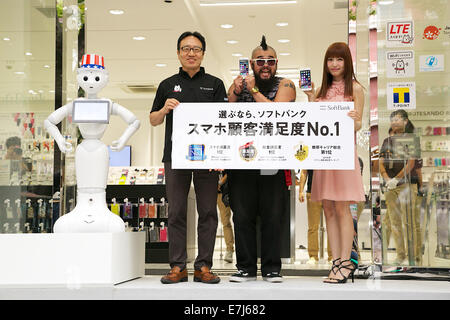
399 34
401 95
311 135
431 62
400 64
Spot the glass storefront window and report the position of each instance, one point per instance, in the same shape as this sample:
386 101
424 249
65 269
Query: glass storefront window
27 95
413 115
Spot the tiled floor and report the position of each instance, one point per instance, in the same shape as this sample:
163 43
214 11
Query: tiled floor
293 288
301 282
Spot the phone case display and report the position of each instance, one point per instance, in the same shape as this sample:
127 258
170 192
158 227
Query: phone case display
135 175
28 160
127 209
153 233
152 209
442 192
22 215
144 208
115 207
33 216
163 210
163 233
435 145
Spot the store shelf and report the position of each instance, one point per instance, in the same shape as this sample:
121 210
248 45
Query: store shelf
155 252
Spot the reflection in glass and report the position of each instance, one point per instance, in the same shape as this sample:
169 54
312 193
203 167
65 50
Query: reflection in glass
414 208
26 97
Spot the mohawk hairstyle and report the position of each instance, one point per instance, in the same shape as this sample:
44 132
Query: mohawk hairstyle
264 46
263 43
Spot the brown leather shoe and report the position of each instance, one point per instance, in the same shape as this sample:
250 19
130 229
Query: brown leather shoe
205 275
175 275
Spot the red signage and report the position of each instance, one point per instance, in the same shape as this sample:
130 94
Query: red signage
402 32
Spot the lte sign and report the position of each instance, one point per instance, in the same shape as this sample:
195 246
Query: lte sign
400 34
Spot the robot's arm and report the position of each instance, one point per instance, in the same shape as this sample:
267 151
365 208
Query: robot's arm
133 126
50 125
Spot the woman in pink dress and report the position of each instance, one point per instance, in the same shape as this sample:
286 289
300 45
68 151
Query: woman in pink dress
337 189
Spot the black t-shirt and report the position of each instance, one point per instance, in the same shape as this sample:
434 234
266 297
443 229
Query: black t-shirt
394 163
202 87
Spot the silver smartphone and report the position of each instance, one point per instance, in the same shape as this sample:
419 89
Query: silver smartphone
244 66
305 79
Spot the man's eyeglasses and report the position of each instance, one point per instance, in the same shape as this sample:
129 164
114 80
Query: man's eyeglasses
262 62
187 49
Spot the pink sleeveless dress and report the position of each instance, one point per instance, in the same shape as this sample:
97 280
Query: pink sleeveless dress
338 185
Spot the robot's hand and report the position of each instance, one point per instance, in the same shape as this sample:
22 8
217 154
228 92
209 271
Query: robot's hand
64 146
117 145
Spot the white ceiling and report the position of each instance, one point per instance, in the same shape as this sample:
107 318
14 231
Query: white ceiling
312 26
30 26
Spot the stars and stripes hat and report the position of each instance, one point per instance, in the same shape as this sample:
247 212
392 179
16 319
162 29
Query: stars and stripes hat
93 61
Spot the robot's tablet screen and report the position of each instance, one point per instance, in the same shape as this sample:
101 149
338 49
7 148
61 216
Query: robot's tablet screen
90 111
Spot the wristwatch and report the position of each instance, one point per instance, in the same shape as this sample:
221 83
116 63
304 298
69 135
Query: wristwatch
255 90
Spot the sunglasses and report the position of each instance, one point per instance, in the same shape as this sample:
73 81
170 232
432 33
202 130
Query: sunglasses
262 62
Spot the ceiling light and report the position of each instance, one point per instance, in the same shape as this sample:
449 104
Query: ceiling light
285 54
284 40
46 66
364 60
236 55
226 26
28 54
243 3
161 65
139 38
6 39
116 12
282 24
386 2
232 41
19 72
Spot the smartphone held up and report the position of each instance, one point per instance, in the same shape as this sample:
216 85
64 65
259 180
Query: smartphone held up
305 79
244 67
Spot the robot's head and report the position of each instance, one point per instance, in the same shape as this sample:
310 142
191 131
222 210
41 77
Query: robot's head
92 76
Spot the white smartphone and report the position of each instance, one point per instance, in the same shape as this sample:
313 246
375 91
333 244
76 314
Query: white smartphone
244 66
305 79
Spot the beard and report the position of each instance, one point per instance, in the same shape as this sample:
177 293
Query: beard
264 84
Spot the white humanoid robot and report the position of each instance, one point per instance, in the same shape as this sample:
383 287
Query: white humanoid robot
91 213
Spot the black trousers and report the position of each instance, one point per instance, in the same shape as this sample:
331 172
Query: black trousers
178 182
252 195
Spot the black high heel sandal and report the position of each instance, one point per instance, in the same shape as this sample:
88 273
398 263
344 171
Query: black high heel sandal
350 266
334 266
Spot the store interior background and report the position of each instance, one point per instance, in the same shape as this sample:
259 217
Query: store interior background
299 38
139 46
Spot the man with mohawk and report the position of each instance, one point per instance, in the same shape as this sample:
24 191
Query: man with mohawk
259 192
